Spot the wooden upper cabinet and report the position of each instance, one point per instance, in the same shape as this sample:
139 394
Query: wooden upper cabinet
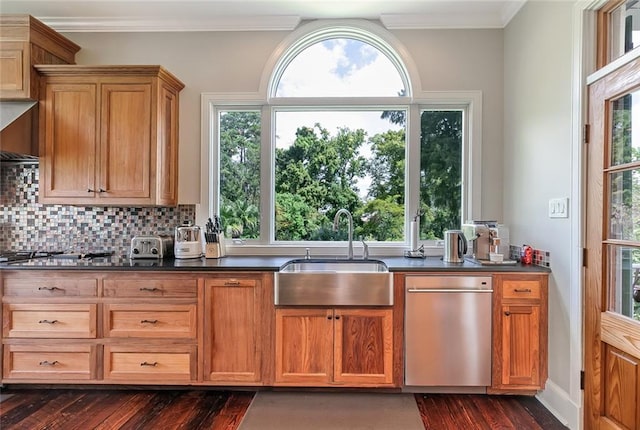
109 135
24 42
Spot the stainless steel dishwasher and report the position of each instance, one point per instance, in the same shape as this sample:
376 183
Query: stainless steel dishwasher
448 331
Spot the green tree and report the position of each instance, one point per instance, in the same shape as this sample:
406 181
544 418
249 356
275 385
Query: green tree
383 220
440 169
240 172
440 172
321 171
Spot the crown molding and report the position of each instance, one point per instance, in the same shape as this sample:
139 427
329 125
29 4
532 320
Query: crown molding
499 19
136 24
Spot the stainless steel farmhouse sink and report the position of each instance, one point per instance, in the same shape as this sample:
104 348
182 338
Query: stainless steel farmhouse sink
332 282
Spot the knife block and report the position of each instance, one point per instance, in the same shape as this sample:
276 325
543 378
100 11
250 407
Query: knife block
215 249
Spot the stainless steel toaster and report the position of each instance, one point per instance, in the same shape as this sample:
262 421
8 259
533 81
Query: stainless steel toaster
153 246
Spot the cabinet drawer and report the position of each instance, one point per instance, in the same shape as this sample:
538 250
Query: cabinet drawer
156 321
50 287
49 321
52 362
521 290
177 288
231 282
150 363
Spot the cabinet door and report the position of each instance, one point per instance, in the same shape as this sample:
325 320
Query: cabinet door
14 70
233 347
70 124
521 345
304 347
363 352
125 141
167 176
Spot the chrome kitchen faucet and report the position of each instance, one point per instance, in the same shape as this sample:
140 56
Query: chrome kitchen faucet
335 228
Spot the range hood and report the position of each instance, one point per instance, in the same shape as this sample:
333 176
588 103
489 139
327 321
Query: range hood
18 131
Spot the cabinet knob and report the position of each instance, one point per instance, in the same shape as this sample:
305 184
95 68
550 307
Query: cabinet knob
329 317
102 190
89 190
507 313
337 317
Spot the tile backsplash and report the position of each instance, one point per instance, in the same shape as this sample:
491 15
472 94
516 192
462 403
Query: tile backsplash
27 225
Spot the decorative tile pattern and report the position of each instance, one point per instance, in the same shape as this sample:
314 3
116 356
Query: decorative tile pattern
540 257
27 225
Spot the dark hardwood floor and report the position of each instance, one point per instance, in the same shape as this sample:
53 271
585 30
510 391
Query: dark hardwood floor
80 409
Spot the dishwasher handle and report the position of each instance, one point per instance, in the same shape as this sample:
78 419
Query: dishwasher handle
446 290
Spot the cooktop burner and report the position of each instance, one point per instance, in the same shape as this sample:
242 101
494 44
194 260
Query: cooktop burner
11 256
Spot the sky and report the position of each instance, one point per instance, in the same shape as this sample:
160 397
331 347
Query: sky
337 68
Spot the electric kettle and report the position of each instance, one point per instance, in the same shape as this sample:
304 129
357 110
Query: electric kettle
455 246
188 241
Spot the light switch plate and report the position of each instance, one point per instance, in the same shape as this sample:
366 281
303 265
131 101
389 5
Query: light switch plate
559 208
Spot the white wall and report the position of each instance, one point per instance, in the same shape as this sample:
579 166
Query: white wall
537 167
447 60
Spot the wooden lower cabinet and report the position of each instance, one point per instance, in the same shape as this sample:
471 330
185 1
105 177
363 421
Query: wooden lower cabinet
327 347
520 333
157 363
49 361
238 312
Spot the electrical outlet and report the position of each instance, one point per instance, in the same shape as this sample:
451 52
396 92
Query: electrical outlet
559 208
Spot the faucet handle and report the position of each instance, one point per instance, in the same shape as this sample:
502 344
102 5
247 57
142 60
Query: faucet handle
365 249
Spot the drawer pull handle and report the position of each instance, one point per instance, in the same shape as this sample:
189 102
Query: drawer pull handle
144 363
152 290
49 289
47 321
232 282
522 290
148 321
49 363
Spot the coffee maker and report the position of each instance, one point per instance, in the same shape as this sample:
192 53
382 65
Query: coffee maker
479 238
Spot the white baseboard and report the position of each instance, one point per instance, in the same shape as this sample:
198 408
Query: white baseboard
558 402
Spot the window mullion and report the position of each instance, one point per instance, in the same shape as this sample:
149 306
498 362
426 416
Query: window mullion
267 164
412 174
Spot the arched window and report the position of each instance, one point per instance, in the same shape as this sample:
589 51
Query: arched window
338 126
339 66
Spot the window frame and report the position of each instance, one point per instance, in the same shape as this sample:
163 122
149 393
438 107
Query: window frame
470 102
264 101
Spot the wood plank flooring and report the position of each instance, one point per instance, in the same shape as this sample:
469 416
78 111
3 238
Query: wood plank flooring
83 409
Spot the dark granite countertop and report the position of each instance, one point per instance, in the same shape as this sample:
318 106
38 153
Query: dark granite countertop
254 263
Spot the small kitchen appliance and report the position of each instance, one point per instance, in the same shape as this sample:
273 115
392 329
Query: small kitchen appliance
152 247
188 241
479 238
485 244
455 246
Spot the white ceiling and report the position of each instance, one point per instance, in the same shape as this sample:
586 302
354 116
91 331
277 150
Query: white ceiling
228 15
